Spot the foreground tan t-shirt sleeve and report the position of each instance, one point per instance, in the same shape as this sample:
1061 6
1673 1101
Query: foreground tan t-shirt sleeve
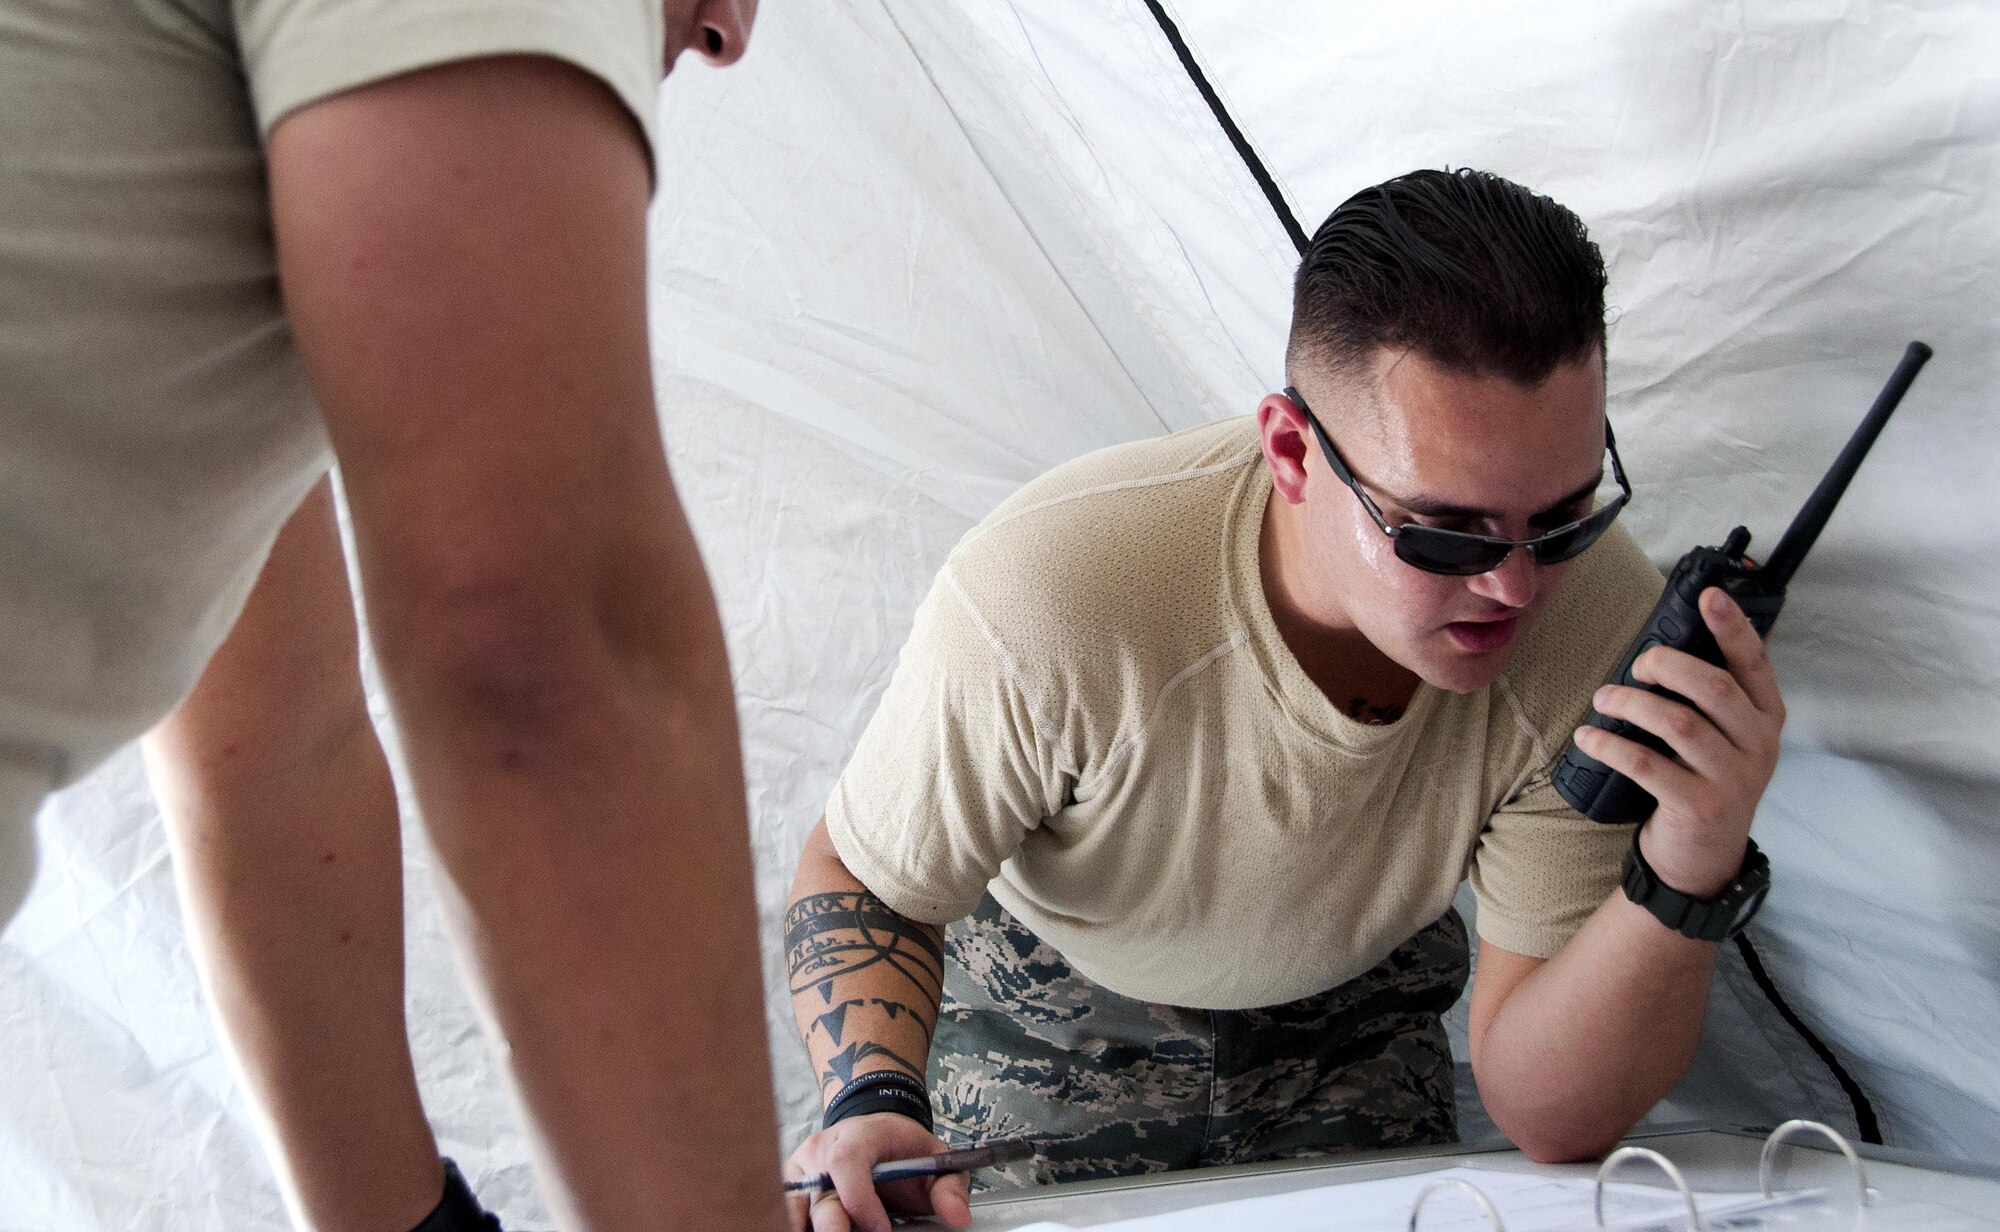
1541 869
297 52
952 772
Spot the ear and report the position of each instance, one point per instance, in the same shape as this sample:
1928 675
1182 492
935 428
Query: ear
1287 440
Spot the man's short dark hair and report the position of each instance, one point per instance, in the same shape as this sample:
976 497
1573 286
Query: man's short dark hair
1474 271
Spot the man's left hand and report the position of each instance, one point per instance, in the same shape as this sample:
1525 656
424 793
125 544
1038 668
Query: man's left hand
1724 737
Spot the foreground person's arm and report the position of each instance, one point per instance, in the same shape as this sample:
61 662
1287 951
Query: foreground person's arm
282 817
463 258
866 984
1570 1052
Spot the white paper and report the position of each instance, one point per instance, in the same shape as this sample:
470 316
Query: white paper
1527 1203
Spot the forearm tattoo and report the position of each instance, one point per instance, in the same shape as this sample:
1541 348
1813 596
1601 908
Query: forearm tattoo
862 977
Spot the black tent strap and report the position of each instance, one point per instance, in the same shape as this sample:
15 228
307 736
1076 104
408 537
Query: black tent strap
1244 150
1864 1112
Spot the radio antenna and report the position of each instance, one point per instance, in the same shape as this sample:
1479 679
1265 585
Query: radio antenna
1805 528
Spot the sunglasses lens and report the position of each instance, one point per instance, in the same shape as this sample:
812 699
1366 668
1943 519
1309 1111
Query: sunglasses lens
1460 555
1571 540
1443 551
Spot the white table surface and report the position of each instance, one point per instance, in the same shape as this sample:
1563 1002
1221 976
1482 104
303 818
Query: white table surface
1710 1159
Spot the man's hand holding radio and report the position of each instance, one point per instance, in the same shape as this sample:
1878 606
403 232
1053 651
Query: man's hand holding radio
1725 741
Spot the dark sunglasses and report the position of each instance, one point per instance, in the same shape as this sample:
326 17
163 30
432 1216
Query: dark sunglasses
1460 553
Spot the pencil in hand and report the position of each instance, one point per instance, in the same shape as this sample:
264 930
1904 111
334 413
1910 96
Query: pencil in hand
999 1151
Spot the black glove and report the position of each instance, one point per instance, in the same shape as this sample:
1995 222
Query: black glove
458 1210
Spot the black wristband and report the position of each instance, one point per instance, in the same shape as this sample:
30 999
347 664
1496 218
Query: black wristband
1703 919
457 1210
887 1090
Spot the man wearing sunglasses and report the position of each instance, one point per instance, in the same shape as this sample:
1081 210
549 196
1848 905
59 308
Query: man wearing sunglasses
1195 739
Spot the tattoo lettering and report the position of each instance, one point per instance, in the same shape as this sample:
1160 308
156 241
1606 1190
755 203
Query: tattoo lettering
831 938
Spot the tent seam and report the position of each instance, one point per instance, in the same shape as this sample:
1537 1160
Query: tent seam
1199 124
1072 206
1865 1120
1239 140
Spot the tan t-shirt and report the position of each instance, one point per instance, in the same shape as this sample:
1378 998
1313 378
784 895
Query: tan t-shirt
155 428
1096 718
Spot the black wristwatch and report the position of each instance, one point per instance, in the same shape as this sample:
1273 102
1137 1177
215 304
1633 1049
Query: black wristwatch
1715 919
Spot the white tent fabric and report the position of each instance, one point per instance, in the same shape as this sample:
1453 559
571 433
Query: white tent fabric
910 253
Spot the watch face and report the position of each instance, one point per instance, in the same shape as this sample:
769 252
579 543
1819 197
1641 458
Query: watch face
1751 902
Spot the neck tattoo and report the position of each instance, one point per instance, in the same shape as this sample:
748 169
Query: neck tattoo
1363 711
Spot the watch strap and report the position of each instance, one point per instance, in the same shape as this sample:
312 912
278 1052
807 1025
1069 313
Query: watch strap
1716 919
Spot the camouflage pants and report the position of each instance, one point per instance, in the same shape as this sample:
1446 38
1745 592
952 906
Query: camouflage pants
1109 1086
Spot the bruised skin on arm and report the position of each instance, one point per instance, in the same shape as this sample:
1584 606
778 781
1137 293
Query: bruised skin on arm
463 257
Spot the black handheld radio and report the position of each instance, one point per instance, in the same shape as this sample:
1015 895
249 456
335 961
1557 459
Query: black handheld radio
1601 793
